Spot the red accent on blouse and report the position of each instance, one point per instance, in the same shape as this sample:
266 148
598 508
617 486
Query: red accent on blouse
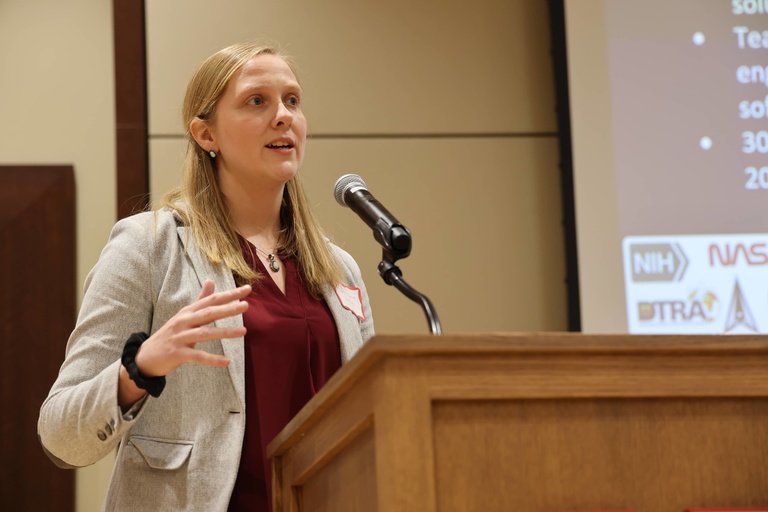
291 350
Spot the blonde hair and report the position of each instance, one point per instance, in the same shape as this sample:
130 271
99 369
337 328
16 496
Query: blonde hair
201 205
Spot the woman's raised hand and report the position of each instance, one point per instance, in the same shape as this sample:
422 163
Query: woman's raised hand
174 343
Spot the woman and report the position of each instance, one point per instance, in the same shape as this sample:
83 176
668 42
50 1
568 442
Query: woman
165 293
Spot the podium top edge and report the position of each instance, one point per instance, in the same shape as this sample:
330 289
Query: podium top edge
563 342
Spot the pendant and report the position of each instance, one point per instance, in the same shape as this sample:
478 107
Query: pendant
273 264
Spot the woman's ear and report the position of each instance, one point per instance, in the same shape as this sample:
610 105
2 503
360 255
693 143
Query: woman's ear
201 132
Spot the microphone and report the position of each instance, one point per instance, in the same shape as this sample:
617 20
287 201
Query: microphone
352 192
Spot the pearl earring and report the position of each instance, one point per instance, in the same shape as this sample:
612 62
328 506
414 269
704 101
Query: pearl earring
212 153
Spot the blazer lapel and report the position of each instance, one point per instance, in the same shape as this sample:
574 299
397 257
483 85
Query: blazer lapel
223 280
347 324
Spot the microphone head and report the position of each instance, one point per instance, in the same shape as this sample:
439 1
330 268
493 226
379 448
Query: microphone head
345 183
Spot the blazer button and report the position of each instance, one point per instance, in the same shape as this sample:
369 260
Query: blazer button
102 435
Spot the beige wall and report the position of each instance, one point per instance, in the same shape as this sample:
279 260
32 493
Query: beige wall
58 108
445 95
484 209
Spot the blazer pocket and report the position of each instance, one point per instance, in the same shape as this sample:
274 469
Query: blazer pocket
162 453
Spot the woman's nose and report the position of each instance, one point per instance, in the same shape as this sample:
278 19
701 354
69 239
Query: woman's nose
283 116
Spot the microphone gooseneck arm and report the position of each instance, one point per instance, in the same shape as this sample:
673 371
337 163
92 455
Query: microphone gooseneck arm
393 276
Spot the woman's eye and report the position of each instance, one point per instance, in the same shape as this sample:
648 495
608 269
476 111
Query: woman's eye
257 101
293 101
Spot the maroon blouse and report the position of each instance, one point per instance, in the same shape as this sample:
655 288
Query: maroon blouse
291 350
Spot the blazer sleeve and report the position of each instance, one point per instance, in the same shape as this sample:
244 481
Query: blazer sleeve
80 421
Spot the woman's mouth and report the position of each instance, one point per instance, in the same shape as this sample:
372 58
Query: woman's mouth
280 145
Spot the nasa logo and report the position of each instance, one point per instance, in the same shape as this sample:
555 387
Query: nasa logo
729 255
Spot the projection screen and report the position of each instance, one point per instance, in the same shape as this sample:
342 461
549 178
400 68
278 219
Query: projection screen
669 101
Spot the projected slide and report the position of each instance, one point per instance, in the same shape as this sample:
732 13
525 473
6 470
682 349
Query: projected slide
689 106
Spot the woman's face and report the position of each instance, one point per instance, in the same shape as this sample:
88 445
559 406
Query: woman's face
258 129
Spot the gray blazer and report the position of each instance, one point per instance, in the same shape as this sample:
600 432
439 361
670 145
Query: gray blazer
179 451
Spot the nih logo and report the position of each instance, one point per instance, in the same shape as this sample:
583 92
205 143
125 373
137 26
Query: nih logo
654 263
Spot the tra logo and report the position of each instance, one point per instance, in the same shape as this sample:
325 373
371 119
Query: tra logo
699 307
663 262
729 255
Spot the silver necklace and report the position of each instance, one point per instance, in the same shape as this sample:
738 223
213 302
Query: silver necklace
274 266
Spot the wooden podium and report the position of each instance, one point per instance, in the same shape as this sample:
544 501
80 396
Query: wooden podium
533 423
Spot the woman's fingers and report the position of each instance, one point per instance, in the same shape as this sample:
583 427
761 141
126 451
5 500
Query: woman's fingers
208 333
212 313
215 299
208 287
206 358
174 343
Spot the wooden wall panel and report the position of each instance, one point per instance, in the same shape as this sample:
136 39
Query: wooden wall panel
397 67
130 107
37 313
468 213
